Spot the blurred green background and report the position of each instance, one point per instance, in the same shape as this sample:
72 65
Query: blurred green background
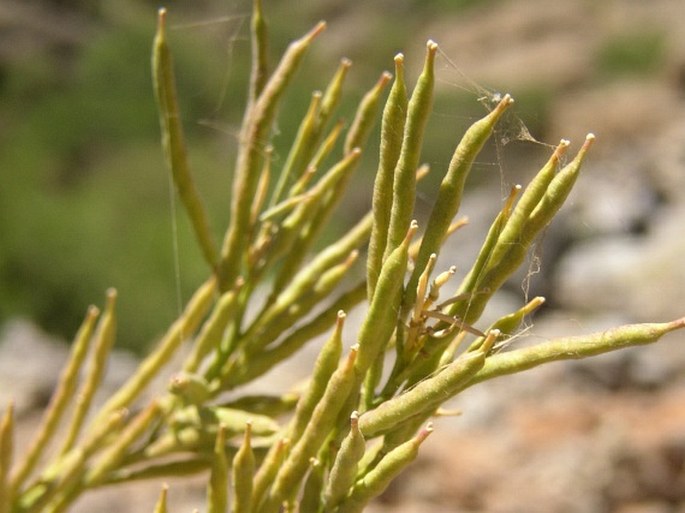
84 198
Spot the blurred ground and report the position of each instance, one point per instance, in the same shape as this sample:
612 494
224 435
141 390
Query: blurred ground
606 435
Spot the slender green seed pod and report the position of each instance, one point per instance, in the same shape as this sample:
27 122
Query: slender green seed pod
217 486
104 340
299 279
344 468
262 188
301 151
511 233
174 145
557 192
302 282
392 130
161 504
207 420
183 327
555 195
259 72
190 388
571 348
63 395
404 181
255 131
313 486
324 367
469 284
378 478
267 471
255 363
426 393
243 473
366 115
508 324
451 189
322 421
115 453
333 93
326 146
381 317
213 328
6 452
61 482
306 210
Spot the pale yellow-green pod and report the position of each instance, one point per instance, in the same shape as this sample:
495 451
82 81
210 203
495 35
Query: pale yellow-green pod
267 471
6 453
427 393
378 478
255 130
381 317
213 328
324 367
105 335
323 419
333 93
190 388
451 189
64 393
313 487
116 452
173 142
392 131
217 486
365 116
182 328
569 348
161 504
344 469
404 181
243 474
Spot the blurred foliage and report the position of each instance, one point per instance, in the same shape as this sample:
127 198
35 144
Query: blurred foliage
639 52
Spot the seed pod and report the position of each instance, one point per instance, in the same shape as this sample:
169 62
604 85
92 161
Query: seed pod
161 505
508 324
267 471
6 450
217 493
213 328
571 348
404 181
365 115
333 93
64 393
313 485
324 367
116 452
104 340
259 72
344 468
392 130
322 421
174 144
425 395
301 150
451 189
378 478
381 317
190 388
511 233
183 327
243 472
255 130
